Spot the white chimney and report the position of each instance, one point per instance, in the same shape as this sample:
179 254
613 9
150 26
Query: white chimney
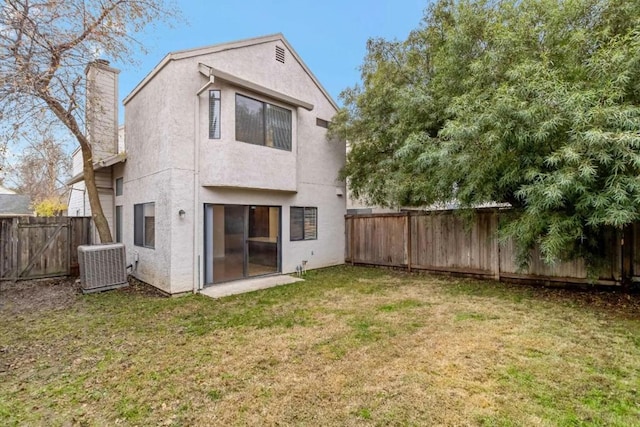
102 109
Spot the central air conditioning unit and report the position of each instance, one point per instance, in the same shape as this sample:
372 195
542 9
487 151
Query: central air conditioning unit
102 267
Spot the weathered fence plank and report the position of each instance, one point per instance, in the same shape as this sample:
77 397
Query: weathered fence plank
442 241
35 247
379 240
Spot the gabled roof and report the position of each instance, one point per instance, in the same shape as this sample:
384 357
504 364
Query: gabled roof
189 53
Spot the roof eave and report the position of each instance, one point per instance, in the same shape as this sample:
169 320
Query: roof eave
104 163
246 84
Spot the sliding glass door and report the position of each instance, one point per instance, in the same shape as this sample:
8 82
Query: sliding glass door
241 241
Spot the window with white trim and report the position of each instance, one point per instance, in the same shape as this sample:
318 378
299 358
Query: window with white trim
303 223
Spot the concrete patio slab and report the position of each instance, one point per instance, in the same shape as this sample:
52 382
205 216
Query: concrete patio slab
248 285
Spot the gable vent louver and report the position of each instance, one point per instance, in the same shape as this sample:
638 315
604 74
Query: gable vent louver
280 54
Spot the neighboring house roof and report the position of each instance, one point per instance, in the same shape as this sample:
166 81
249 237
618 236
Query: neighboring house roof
15 205
104 163
189 53
6 190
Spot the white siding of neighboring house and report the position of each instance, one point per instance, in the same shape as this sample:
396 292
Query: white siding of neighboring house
78 202
79 205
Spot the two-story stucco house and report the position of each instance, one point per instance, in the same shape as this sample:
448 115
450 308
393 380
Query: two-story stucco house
227 173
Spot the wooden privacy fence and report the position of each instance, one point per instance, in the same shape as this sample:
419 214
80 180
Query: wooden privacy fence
441 241
34 247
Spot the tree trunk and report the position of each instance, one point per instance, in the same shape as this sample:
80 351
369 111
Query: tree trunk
69 121
97 213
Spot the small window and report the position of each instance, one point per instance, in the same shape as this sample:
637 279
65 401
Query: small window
304 223
144 225
322 123
119 184
214 114
119 224
261 123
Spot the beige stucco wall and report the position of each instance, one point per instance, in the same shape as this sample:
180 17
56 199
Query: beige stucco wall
147 176
161 141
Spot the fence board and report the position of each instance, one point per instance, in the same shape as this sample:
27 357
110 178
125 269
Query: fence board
378 240
443 241
35 247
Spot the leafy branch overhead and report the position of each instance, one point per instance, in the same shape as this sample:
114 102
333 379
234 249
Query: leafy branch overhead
535 103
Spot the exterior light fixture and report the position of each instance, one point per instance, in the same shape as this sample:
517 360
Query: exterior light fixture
181 213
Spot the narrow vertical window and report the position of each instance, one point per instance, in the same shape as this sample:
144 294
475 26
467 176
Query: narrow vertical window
214 114
119 224
119 185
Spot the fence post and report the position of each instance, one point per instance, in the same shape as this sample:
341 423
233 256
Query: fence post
69 243
496 245
353 239
15 247
408 241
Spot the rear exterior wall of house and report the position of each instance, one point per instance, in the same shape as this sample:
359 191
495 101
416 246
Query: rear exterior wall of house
174 165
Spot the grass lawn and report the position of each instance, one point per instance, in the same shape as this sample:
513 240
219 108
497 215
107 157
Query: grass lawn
349 346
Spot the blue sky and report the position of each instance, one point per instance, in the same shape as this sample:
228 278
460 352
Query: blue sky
329 35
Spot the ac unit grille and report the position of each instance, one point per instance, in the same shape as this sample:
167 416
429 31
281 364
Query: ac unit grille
102 267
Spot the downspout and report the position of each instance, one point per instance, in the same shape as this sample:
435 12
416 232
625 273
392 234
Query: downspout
197 244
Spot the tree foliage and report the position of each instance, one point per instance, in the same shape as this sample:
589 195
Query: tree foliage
44 48
52 206
535 103
41 169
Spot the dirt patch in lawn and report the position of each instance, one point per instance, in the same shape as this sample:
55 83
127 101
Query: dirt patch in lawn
56 294
37 295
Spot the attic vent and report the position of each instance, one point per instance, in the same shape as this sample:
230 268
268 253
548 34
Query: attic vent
280 54
322 123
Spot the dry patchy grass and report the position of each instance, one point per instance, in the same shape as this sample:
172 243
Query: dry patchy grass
349 346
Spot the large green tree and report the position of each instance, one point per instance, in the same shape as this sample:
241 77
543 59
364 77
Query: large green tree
535 103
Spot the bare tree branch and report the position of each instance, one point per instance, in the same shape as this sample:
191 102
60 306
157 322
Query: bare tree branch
44 48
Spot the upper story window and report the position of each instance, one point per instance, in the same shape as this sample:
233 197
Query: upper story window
214 114
262 123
